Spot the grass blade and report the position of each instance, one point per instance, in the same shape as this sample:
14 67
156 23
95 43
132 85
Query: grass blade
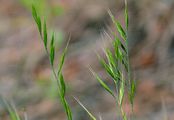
62 84
120 30
66 106
123 114
102 83
118 51
52 50
89 113
118 26
11 110
132 92
37 19
108 70
121 91
119 44
39 25
34 13
45 34
62 59
126 15
111 59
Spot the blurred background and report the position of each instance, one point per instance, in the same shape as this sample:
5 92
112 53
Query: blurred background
25 76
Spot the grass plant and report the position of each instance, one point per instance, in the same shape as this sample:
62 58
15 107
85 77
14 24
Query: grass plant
117 66
50 51
10 108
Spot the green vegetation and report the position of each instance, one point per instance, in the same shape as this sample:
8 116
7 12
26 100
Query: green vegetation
10 109
117 67
50 50
43 7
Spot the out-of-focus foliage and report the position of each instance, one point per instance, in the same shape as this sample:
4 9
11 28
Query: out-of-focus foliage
10 109
43 7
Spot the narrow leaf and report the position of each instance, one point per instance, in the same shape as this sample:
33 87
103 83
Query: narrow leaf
66 107
34 13
123 114
11 110
108 70
124 48
52 40
39 25
120 30
102 83
121 91
89 113
62 83
37 19
52 50
126 15
118 26
111 59
118 52
125 117
52 54
62 59
68 111
132 91
45 34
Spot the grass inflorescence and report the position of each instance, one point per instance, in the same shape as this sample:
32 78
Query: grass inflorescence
118 65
